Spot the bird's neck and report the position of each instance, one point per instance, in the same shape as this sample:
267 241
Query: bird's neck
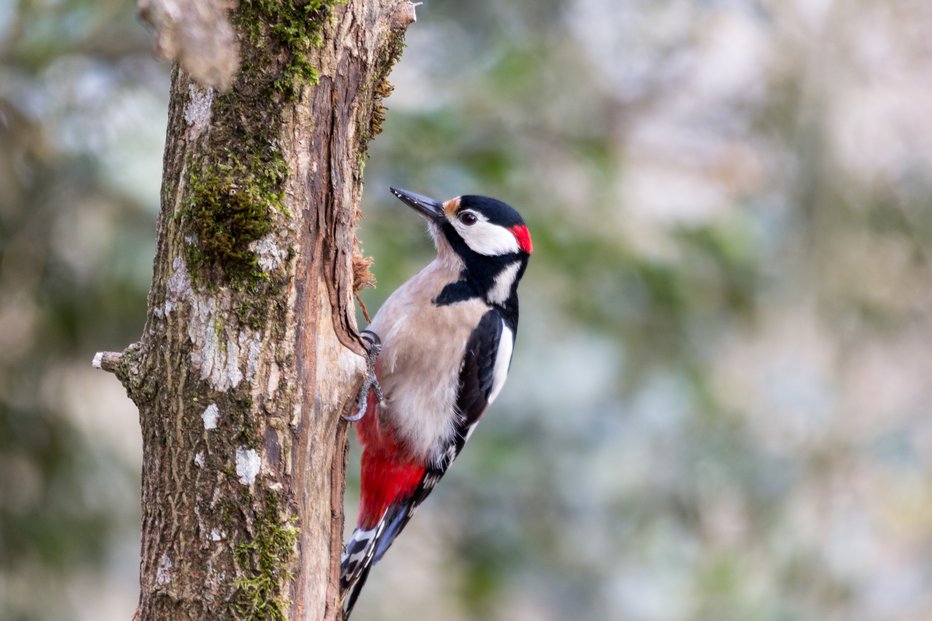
493 280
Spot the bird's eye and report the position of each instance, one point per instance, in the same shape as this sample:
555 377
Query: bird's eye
468 218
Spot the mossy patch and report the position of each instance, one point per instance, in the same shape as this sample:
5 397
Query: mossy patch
289 28
236 186
265 563
231 206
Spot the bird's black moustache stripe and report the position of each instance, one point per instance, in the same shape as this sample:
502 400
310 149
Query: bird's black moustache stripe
477 284
458 291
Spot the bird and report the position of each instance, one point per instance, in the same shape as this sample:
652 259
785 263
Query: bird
440 351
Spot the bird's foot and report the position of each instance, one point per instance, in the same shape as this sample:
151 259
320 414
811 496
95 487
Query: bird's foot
373 347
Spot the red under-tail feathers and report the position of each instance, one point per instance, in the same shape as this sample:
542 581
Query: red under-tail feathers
390 479
388 474
384 481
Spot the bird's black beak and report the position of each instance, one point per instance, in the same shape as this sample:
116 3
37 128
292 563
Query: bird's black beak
428 207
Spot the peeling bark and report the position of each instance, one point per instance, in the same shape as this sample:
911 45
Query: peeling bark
250 351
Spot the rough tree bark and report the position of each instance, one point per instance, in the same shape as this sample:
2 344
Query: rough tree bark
250 351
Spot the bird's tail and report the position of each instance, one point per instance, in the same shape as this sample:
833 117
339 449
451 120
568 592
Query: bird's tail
366 547
357 555
353 594
355 564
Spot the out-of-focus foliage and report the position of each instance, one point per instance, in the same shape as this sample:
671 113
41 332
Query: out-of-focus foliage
82 120
719 405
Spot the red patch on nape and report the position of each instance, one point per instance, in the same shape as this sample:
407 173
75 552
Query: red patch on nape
523 236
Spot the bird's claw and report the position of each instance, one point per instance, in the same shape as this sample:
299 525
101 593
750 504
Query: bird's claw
373 348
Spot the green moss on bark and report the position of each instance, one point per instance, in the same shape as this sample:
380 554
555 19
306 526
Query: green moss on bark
236 190
265 563
231 207
289 28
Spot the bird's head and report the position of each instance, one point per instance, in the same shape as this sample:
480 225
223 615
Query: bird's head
478 229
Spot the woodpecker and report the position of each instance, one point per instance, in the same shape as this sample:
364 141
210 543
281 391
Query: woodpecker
444 341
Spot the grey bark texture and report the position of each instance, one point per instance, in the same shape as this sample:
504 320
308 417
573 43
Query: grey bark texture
250 351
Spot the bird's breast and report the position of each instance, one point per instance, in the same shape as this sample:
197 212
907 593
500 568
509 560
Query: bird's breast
422 351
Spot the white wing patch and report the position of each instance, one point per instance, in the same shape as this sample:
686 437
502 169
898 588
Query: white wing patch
502 361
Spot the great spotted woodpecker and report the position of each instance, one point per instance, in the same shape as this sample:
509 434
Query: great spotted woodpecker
446 338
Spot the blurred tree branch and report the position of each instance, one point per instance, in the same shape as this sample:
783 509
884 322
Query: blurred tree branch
197 34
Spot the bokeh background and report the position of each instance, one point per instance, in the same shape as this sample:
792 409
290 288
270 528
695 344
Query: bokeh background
720 404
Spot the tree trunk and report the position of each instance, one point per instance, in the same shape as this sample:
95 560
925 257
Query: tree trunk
250 351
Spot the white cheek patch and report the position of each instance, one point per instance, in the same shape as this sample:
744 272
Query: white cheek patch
506 345
488 239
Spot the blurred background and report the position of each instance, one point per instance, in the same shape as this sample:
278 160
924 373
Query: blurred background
720 405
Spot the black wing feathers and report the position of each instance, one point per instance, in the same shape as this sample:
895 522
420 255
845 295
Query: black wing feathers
477 374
